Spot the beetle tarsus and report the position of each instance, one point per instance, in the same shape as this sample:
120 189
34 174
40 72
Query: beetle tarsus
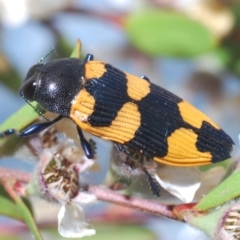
31 130
8 132
154 185
93 145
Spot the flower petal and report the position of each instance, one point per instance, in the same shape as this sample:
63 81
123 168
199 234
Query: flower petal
84 198
71 222
181 182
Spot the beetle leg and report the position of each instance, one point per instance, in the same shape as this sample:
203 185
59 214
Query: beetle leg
145 78
88 58
154 185
86 146
31 130
93 145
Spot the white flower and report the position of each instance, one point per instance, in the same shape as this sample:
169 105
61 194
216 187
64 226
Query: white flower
182 182
58 178
71 222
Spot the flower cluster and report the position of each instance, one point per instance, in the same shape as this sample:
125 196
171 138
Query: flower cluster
58 179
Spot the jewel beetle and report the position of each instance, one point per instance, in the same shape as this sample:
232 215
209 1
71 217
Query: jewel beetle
125 109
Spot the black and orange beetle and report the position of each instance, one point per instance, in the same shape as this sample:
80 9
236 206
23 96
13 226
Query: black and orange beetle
126 109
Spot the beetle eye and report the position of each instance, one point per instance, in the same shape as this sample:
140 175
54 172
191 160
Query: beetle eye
28 87
28 90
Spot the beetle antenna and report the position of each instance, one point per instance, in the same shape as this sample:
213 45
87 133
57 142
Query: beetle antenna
52 50
37 110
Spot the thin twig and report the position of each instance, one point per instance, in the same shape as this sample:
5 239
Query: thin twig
104 194
150 206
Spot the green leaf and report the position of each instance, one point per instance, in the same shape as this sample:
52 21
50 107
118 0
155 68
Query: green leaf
8 207
77 50
13 206
19 120
168 33
8 74
209 222
28 218
226 191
